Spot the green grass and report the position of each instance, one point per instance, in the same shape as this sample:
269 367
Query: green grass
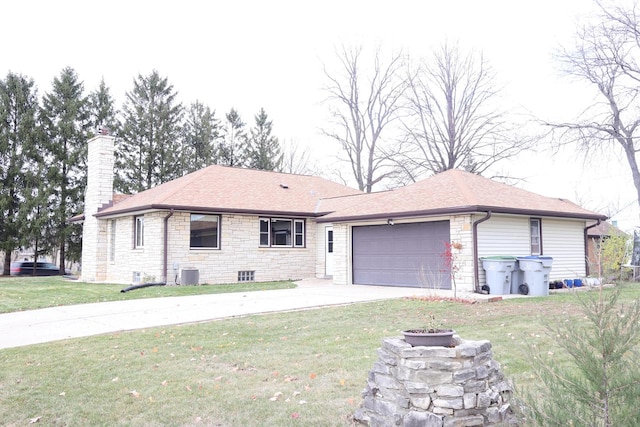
28 293
287 369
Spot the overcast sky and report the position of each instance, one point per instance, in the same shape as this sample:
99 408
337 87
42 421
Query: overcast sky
253 54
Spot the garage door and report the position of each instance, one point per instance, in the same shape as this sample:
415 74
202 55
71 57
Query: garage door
401 255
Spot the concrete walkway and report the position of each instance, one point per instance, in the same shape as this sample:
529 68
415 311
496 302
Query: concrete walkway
73 321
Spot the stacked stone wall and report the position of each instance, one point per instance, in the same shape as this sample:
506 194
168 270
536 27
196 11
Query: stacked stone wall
455 386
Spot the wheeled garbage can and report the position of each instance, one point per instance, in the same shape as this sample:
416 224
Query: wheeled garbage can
535 274
498 271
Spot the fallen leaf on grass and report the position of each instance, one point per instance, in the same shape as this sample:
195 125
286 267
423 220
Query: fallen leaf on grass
295 415
63 393
288 378
134 394
276 396
164 383
34 420
312 376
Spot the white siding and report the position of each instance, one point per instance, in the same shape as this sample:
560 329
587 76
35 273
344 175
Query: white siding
504 235
563 240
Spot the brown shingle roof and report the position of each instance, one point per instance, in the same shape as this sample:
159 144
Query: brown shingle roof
604 229
453 191
227 189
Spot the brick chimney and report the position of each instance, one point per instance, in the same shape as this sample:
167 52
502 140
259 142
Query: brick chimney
99 192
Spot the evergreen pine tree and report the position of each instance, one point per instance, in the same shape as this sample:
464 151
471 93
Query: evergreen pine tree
65 123
18 141
149 152
600 383
102 110
201 133
263 149
233 148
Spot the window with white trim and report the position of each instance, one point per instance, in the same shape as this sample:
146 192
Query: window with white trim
138 239
536 236
282 232
204 231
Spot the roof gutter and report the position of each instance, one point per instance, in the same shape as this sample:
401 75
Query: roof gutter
166 245
586 246
461 210
476 261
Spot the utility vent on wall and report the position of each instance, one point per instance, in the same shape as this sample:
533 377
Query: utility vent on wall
189 276
137 278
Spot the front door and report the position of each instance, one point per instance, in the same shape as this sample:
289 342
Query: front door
328 250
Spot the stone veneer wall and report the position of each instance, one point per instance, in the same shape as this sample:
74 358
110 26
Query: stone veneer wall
239 251
99 192
436 387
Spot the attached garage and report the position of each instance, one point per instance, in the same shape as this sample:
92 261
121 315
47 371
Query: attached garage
401 255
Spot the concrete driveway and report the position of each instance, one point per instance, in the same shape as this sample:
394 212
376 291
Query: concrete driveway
73 321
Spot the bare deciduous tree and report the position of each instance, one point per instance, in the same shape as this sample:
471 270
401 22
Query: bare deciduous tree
454 119
363 104
605 56
296 159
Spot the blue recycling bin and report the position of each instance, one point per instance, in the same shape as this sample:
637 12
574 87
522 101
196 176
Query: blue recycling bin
535 271
498 271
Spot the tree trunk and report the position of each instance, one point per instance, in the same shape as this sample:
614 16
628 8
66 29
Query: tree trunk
633 165
62 256
7 263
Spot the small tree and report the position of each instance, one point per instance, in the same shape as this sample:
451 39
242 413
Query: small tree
613 254
600 384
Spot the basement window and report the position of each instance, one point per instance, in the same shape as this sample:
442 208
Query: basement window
246 276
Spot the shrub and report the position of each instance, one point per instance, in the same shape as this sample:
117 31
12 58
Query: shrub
600 385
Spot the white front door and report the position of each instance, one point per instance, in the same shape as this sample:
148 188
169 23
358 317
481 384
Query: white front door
328 250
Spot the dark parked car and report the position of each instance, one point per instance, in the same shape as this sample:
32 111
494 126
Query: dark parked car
25 268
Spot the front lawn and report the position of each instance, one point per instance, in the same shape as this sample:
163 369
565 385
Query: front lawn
303 368
28 293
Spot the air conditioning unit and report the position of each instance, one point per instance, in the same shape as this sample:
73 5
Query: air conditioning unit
189 276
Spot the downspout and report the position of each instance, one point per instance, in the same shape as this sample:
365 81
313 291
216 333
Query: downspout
476 271
586 246
166 245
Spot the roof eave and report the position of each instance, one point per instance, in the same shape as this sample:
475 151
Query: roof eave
464 210
164 207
